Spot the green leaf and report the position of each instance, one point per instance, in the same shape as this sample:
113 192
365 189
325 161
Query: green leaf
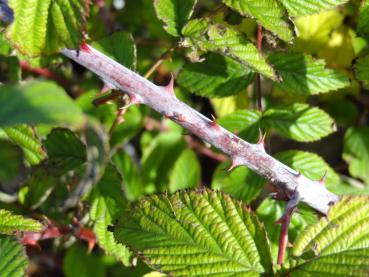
205 36
41 102
13 259
227 105
304 75
299 122
241 182
268 13
25 136
120 47
77 262
107 203
10 223
310 165
217 76
362 70
186 172
197 233
308 7
65 150
127 168
5 48
339 242
356 152
245 123
174 13
363 20
43 27
12 161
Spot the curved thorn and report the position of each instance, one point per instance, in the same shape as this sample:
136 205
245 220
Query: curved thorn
324 178
169 88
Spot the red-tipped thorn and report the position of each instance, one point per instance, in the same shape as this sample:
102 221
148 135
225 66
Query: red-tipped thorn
170 87
233 165
106 87
323 179
262 136
84 47
214 123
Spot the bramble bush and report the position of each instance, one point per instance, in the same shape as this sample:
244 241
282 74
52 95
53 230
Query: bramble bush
98 179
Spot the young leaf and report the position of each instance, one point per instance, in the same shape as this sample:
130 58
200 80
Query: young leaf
10 223
43 27
241 183
174 13
337 244
186 172
302 74
362 70
197 233
308 7
65 150
268 13
203 35
41 102
299 122
13 259
356 152
246 123
217 76
25 136
120 47
310 165
107 203
363 20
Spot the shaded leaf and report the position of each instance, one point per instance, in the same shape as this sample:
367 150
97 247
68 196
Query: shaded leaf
299 122
65 150
217 76
120 47
12 161
41 102
43 27
362 70
174 13
356 152
302 74
186 172
308 7
363 20
197 233
10 223
203 35
25 136
337 244
13 259
268 13
241 182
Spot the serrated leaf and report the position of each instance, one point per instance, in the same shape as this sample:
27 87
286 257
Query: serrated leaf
120 47
65 150
41 102
310 165
241 182
245 123
338 243
308 7
268 13
300 122
25 136
107 203
43 27
217 76
356 152
186 172
363 20
197 233
12 161
13 259
174 13
362 70
10 223
209 37
302 74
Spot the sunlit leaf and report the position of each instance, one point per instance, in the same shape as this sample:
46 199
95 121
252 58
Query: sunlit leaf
13 259
308 7
10 223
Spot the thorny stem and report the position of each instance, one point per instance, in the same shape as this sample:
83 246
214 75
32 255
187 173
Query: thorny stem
162 99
